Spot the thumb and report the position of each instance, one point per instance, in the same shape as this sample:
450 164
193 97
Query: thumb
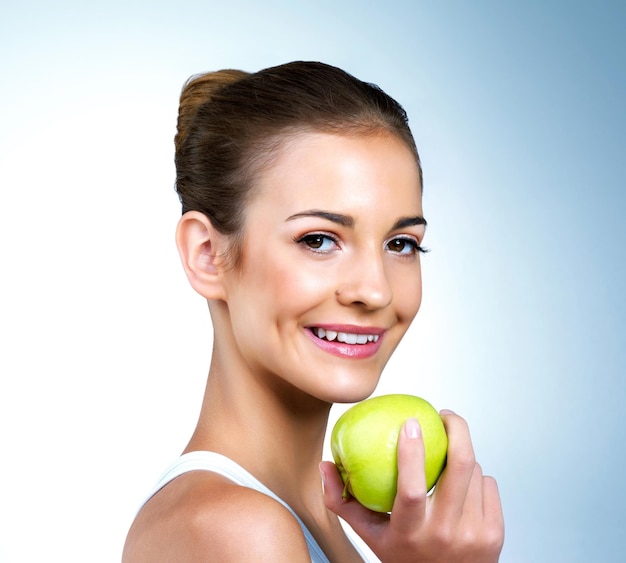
333 488
365 522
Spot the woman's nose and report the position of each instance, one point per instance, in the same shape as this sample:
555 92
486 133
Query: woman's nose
365 283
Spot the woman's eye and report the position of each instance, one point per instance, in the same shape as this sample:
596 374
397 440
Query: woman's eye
404 246
318 242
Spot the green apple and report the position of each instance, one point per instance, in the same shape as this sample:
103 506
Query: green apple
364 446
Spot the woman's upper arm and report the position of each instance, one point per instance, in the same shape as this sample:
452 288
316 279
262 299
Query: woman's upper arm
237 524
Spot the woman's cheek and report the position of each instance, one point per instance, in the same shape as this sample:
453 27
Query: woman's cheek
408 293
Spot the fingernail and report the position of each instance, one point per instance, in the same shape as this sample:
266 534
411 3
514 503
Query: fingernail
323 476
443 412
412 428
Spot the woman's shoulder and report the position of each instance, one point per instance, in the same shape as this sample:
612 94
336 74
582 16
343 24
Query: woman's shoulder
201 515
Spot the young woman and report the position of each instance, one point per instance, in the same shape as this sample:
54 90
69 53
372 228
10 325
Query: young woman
302 226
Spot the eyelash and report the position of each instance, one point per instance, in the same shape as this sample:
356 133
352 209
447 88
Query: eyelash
320 237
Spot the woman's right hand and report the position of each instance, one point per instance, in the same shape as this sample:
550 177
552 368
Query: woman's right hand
461 521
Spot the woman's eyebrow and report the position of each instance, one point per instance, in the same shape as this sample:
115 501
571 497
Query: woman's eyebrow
344 220
348 221
409 222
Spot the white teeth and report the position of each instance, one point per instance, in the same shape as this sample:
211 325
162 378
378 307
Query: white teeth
346 337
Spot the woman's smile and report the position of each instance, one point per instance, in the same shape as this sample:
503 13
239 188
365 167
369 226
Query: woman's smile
347 341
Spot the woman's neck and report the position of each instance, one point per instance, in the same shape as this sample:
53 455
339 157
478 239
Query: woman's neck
273 430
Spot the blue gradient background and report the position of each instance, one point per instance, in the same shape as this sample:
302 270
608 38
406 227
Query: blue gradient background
518 112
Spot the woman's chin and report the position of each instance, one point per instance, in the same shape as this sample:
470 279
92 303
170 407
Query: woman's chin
351 391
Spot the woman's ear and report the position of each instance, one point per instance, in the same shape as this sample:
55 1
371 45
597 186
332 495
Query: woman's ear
200 246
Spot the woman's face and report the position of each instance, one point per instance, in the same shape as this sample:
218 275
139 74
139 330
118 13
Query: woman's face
330 270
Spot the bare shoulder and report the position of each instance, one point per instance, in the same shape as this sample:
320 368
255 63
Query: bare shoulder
202 516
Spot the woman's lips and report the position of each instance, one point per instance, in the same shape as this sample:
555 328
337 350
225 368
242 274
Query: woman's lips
347 341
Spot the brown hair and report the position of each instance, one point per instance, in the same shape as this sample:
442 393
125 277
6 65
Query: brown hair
232 123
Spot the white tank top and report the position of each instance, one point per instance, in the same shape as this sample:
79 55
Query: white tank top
217 463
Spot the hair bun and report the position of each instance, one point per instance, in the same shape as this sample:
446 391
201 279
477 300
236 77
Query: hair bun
198 90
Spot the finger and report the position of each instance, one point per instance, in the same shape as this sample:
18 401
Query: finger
332 484
409 507
473 508
452 487
492 506
363 521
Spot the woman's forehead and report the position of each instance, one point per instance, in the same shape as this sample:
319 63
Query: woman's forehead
338 172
